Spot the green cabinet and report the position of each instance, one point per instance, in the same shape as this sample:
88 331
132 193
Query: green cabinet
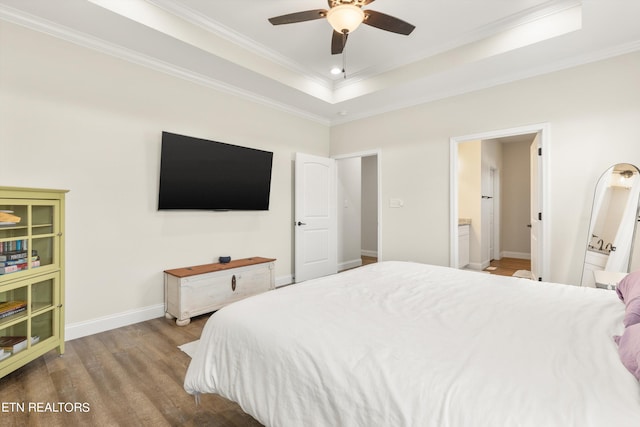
31 275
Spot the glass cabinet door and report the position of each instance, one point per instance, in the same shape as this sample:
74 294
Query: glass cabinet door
28 236
29 314
44 307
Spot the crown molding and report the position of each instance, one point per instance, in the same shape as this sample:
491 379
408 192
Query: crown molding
64 33
509 22
221 30
564 64
61 32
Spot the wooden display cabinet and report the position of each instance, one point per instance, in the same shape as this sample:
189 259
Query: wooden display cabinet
31 275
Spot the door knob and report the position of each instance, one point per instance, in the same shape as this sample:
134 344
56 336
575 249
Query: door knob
301 223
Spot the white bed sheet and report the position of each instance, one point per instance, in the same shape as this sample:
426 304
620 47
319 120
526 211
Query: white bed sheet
407 344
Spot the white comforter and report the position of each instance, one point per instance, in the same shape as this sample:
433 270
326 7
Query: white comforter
405 344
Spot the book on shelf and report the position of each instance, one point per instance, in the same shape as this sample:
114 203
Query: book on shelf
13 344
7 216
7 219
18 261
15 255
12 312
18 267
8 308
13 245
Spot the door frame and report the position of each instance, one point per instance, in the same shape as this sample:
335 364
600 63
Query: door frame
494 224
368 153
497 200
543 182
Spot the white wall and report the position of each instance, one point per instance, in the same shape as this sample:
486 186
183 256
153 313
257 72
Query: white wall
516 200
369 244
77 119
593 114
349 212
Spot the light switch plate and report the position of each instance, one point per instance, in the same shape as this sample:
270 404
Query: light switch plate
396 203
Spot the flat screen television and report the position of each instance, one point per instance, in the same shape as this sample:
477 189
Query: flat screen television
209 175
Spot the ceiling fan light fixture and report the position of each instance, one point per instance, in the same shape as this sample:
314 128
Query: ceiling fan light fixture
345 17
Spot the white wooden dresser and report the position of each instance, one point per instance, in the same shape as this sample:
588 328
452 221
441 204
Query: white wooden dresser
191 291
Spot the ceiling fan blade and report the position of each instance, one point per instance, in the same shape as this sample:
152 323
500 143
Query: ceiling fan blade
338 42
292 18
387 22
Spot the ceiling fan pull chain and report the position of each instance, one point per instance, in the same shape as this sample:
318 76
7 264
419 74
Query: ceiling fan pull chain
344 53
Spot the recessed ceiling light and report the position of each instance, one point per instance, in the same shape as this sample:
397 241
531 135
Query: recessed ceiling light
336 70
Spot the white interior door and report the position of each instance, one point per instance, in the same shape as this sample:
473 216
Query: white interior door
536 208
316 227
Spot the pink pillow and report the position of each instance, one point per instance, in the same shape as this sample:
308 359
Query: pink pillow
628 291
629 287
632 312
629 349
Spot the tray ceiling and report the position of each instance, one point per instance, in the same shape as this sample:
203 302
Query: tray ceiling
457 46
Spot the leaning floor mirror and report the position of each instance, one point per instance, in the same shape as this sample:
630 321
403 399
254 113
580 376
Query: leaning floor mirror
612 230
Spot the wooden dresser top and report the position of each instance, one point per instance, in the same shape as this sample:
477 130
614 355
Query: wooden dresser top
209 268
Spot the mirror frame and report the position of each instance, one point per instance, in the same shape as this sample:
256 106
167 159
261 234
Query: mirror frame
597 256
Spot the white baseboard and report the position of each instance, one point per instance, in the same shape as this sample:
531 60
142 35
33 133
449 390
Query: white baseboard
118 320
350 264
519 255
284 280
477 266
365 252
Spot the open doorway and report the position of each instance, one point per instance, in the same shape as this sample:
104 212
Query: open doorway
358 209
503 204
507 206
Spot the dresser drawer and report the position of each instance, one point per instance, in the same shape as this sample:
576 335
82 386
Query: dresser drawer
209 292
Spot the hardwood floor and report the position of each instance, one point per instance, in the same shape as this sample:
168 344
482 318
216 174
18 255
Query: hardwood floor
369 260
508 266
130 376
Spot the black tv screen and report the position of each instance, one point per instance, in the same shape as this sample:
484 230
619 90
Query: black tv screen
201 174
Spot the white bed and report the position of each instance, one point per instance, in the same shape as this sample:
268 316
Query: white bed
407 344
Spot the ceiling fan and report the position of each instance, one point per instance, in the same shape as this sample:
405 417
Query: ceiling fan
345 16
